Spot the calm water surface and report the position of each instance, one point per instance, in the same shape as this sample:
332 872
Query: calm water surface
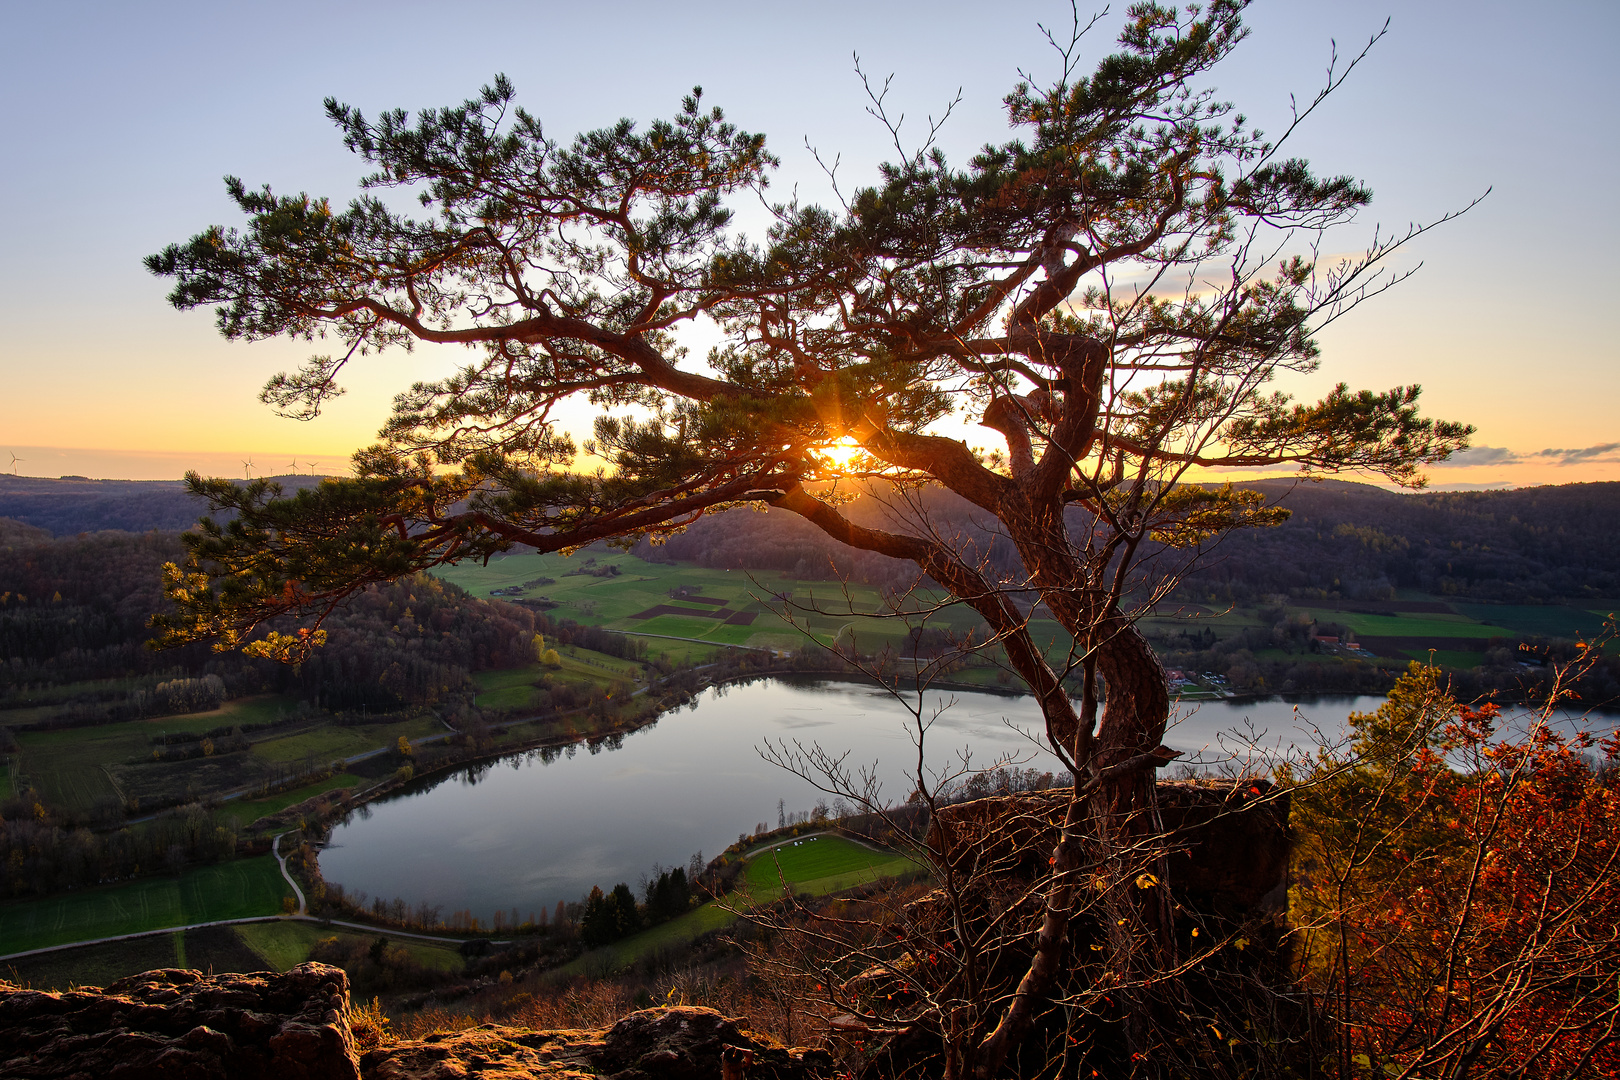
525 832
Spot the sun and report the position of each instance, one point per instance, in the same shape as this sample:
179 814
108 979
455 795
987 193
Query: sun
840 455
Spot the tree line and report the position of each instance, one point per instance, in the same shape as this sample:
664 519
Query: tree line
75 610
1339 540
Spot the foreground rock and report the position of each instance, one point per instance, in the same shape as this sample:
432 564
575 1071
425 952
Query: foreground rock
182 1025
678 1043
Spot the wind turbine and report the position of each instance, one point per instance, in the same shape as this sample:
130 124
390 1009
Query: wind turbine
247 469
14 460
294 466
312 465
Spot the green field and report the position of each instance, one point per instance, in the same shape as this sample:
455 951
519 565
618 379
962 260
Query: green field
286 943
515 688
1409 625
611 602
77 768
817 867
275 945
210 949
329 743
251 810
237 889
512 689
1551 620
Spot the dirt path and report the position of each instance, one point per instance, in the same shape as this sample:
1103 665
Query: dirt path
380 931
281 860
302 915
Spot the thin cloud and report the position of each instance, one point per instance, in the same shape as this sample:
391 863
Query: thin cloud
1482 455
1600 452
1476 456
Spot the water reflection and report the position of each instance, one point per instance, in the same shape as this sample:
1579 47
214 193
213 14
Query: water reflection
554 822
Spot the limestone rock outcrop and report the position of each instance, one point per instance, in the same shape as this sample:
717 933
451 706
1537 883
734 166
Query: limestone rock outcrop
675 1043
172 1024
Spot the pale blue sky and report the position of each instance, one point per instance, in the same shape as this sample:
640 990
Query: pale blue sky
119 120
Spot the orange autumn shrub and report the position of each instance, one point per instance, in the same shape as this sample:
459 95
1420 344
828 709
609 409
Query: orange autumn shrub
1457 896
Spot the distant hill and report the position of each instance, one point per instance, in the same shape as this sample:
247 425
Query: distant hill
1528 545
1356 541
76 504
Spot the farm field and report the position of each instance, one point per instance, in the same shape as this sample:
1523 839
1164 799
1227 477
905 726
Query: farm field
683 601
1409 625
1551 620
286 943
275 945
251 810
236 889
78 768
819 865
719 606
91 965
329 742
1405 629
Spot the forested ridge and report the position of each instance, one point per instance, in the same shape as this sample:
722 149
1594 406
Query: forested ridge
1356 541
75 609
1527 545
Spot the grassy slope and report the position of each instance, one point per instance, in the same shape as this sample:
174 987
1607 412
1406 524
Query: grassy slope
275 946
282 945
230 890
67 765
250 810
610 602
514 688
816 867
328 743
1406 624
819 860
1550 619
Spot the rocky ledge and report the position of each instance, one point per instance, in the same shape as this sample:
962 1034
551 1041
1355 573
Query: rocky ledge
182 1025
677 1043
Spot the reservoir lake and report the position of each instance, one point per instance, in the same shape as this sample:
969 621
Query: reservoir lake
530 829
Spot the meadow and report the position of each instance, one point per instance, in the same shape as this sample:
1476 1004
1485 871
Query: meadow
756 609
515 688
80 769
646 599
273 945
251 810
816 866
286 943
236 889
73 768
208 949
